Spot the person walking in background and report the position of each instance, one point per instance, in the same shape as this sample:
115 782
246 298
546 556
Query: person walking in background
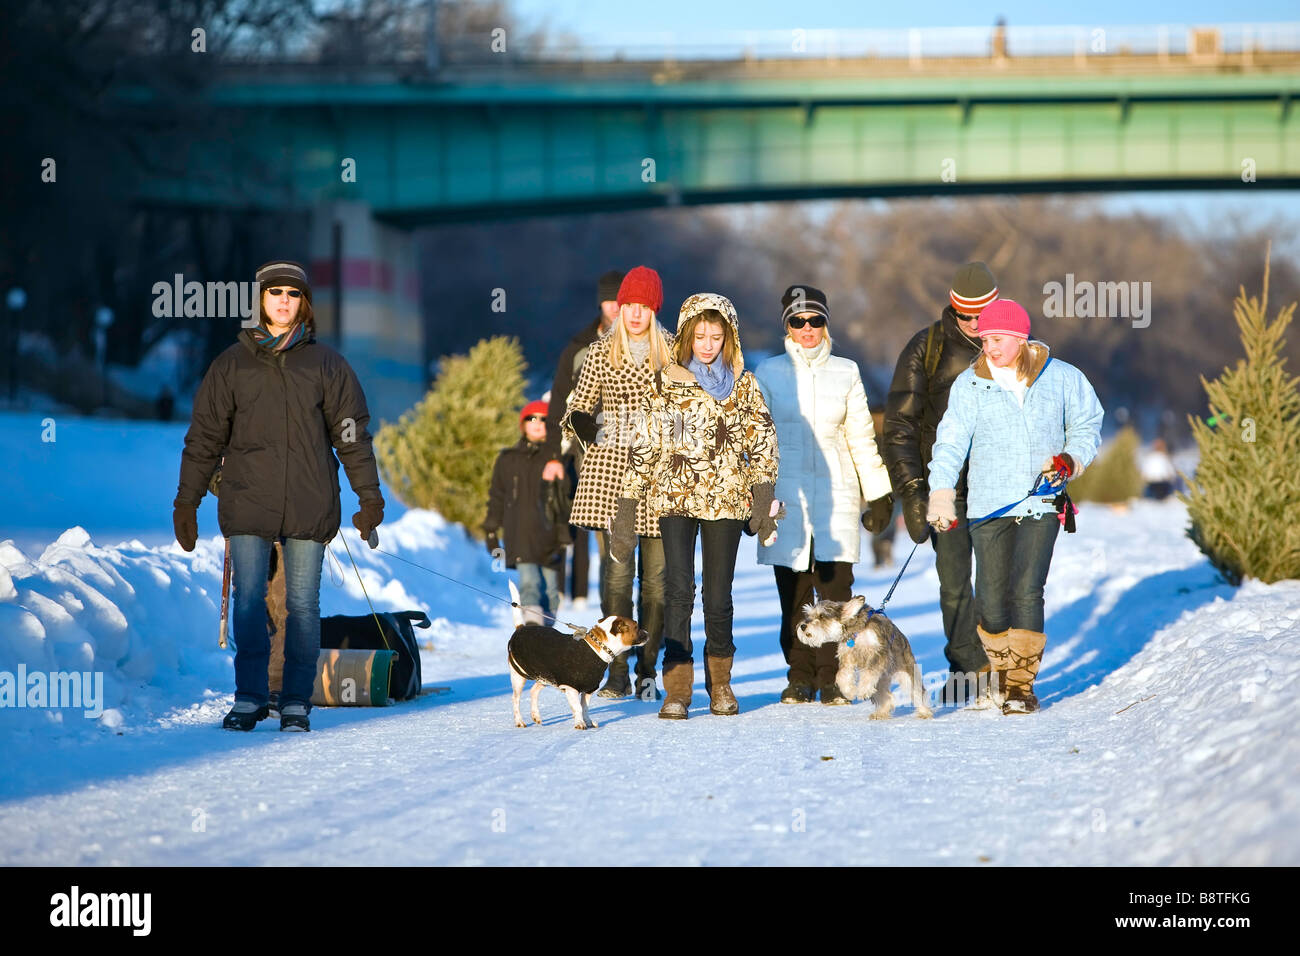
280 405
1158 471
918 397
705 466
565 462
615 378
829 467
529 515
1017 414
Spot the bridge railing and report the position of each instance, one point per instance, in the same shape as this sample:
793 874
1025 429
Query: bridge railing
1077 41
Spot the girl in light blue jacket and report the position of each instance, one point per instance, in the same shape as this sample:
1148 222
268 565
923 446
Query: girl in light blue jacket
1018 414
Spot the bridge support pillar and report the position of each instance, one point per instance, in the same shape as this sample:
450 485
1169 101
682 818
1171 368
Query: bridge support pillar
366 294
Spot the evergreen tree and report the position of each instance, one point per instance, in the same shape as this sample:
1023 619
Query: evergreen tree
1243 498
1114 476
440 453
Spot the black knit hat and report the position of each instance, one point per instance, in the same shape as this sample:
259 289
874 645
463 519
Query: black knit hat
280 272
803 298
607 286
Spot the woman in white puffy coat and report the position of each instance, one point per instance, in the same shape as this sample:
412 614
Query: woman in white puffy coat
830 467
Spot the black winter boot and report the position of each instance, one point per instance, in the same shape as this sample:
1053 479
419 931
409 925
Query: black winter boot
244 716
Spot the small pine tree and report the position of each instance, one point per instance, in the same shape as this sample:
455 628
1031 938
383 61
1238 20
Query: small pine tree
440 453
1114 476
1243 497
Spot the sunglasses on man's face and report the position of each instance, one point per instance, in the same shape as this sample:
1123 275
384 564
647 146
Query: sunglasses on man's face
293 293
816 321
535 418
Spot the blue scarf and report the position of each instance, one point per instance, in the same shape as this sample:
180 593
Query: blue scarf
717 379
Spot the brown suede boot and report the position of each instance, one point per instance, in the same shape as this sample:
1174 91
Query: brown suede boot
998 649
1026 652
679 677
717 681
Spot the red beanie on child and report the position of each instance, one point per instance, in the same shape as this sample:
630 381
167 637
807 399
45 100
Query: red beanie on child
538 407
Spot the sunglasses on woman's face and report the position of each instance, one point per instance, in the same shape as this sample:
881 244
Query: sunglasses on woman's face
293 293
816 321
535 418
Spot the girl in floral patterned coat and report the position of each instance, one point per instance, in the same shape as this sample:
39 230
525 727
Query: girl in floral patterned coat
704 464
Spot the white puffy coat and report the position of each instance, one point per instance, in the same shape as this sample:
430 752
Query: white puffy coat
830 465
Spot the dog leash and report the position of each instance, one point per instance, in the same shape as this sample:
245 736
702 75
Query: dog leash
578 630
1040 488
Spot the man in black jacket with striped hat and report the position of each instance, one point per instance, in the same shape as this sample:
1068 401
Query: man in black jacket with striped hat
918 397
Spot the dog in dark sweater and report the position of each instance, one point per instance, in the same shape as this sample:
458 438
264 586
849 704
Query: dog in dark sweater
575 663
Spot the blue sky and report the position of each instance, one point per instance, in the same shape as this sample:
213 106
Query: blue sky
589 19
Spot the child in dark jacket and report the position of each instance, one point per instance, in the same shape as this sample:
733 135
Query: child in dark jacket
530 516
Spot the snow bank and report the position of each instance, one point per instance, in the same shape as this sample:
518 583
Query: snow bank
146 618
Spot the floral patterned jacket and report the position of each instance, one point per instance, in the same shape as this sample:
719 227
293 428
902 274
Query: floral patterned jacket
697 456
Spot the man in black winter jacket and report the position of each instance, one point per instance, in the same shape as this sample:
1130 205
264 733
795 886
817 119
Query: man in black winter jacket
278 406
566 376
918 397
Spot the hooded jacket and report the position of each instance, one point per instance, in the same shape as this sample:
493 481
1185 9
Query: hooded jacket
1007 443
279 418
829 462
697 456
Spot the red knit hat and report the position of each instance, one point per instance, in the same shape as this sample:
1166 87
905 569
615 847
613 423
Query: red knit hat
641 286
1004 317
538 407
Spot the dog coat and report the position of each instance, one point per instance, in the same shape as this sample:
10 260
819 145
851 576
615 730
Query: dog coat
545 654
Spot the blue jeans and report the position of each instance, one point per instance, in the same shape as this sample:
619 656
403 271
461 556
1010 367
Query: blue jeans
719 542
532 577
1012 557
250 558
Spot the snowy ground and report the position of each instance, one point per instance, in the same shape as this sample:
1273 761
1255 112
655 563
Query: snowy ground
1167 735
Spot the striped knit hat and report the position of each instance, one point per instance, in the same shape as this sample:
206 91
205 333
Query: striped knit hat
972 289
284 272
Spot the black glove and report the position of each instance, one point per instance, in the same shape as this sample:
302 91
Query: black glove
915 499
493 543
878 514
369 517
622 531
761 523
584 426
185 519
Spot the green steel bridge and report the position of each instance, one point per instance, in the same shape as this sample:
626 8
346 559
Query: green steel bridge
556 136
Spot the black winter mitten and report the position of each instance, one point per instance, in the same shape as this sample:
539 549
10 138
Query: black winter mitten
622 531
369 517
761 522
584 426
878 514
915 499
185 521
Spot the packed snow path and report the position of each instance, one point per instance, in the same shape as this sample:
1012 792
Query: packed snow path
1167 734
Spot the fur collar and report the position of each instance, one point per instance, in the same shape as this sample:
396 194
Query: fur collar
1038 350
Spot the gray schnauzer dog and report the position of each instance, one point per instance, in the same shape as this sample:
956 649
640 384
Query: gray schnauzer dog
871 651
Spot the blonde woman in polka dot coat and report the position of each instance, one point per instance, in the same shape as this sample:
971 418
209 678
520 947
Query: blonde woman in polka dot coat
604 411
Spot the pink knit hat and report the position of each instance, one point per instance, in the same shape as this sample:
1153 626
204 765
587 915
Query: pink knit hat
1004 317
